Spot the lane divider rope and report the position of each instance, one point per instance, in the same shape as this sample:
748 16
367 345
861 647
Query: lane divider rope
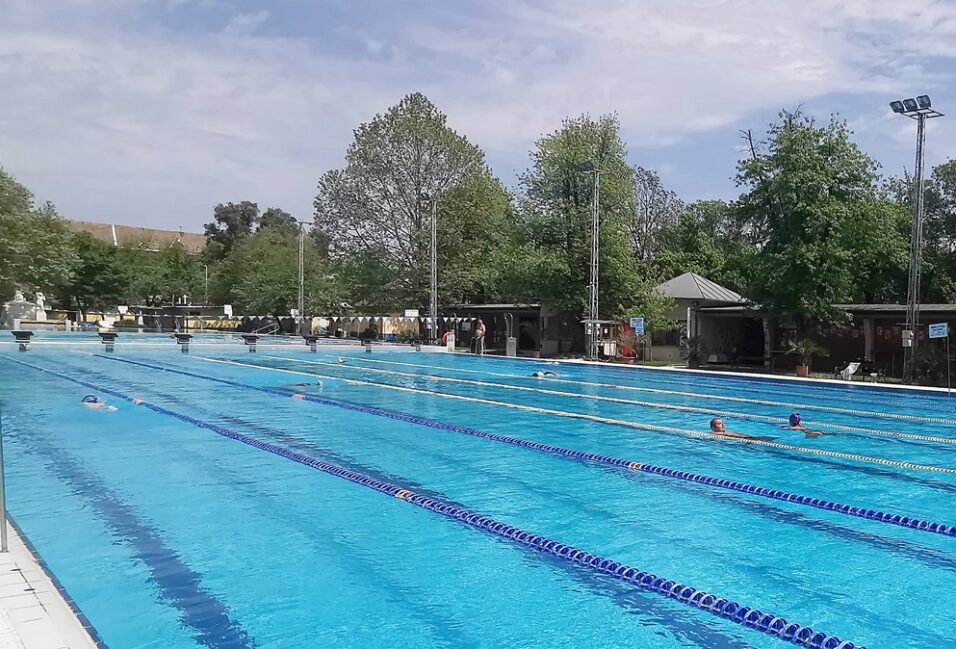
558 413
648 404
768 623
911 522
697 395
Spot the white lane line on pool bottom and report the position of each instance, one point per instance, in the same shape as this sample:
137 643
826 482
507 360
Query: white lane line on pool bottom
589 397
696 395
603 420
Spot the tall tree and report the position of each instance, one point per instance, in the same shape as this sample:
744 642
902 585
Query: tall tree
655 208
379 206
704 241
260 275
99 279
36 246
278 218
552 258
811 198
231 222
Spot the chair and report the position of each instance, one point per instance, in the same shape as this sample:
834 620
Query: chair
847 372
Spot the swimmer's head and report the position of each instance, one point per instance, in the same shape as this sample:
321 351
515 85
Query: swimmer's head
717 425
795 419
89 399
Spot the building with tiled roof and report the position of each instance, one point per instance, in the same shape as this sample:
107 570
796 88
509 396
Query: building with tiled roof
129 236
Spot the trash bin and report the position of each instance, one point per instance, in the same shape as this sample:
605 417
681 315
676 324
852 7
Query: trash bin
511 347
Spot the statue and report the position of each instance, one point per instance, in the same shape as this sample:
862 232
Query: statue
40 300
18 296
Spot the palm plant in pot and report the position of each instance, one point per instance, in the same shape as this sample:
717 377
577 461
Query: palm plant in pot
627 342
692 351
805 349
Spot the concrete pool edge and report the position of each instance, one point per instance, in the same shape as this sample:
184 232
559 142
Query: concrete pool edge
34 607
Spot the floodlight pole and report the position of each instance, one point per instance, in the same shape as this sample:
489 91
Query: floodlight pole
594 283
433 292
301 303
911 328
916 258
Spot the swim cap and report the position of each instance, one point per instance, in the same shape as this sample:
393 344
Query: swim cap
89 399
795 419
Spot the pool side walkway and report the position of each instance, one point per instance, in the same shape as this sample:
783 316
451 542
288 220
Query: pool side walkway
33 613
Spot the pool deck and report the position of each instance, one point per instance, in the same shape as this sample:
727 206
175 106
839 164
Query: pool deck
33 613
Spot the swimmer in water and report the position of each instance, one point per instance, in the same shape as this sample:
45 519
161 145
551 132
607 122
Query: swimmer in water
93 403
795 424
306 384
543 374
340 359
717 428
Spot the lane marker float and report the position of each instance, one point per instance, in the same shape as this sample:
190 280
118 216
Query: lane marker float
648 404
768 623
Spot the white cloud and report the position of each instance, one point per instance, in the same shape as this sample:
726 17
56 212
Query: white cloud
244 24
115 117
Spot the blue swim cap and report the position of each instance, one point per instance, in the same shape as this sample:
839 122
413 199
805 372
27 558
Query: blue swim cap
89 399
795 419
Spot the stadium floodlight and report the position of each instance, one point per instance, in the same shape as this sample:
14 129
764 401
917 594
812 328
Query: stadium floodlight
920 110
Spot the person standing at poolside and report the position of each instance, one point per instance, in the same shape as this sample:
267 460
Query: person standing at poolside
479 339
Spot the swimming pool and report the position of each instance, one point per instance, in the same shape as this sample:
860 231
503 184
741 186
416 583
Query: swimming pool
220 512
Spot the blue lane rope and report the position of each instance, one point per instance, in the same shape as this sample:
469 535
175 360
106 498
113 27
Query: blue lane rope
773 625
697 395
646 404
850 510
604 420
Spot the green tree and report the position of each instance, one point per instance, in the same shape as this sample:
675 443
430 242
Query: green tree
811 198
262 272
655 208
99 279
550 259
231 223
379 206
36 246
277 218
161 277
704 241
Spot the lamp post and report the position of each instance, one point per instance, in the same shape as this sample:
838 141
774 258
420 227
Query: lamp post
919 109
433 293
591 319
301 302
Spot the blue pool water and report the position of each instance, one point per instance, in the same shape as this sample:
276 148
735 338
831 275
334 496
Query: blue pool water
170 534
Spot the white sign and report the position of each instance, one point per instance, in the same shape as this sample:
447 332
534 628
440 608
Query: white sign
227 310
637 324
411 313
123 309
939 330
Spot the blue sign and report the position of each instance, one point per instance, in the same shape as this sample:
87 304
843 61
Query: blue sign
940 330
637 324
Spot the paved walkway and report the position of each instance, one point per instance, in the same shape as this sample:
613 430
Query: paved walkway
33 615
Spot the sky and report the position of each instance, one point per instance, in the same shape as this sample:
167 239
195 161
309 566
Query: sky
150 112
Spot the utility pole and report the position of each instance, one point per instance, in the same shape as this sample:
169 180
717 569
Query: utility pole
594 283
433 294
919 109
301 303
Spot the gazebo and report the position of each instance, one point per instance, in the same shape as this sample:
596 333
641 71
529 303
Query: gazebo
691 293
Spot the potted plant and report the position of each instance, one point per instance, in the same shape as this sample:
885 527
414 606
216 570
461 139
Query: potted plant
627 342
692 351
804 349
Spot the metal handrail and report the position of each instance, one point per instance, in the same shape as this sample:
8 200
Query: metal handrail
268 329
